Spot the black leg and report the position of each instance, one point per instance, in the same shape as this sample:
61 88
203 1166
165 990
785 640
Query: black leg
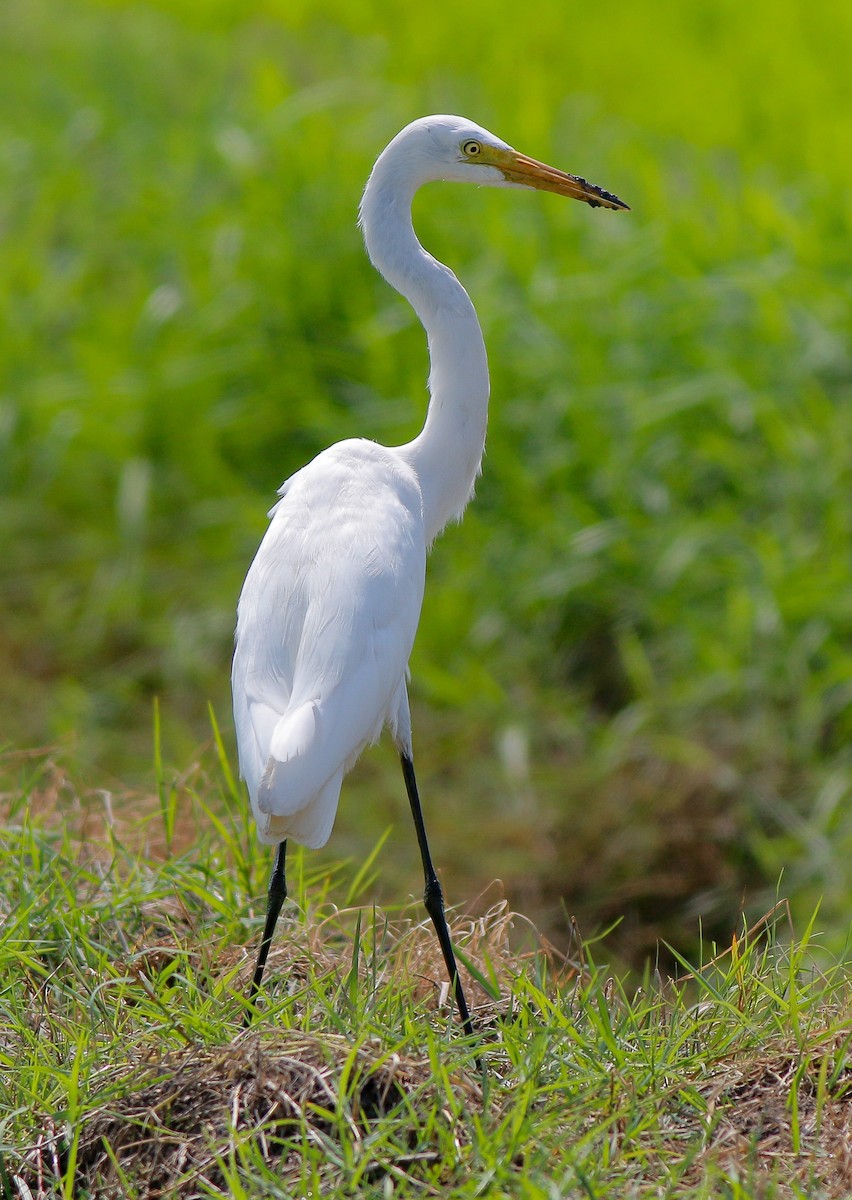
277 896
433 897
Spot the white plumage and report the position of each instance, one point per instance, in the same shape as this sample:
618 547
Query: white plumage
330 605
326 623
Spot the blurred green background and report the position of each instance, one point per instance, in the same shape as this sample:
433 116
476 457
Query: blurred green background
632 682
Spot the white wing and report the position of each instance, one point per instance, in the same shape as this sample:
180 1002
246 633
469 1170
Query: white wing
325 627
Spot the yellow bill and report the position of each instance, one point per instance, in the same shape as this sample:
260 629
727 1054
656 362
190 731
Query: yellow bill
528 172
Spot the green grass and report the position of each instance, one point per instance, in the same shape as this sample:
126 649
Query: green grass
124 1063
631 684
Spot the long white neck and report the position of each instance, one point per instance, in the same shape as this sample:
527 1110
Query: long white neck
447 453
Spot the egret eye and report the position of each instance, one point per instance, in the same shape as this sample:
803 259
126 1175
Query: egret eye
471 149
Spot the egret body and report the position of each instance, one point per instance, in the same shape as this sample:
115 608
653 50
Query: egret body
330 606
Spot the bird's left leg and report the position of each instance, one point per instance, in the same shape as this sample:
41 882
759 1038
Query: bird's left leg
276 897
433 897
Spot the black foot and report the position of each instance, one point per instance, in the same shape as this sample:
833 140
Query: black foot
275 898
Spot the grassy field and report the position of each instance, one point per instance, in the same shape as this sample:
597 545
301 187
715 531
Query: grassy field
632 682
125 1068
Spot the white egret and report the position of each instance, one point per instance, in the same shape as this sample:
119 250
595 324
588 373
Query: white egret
330 605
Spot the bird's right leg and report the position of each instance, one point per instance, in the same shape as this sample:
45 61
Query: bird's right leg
276 897
433 897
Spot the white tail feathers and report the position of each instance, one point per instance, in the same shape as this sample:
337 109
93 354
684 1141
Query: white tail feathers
294 771
295 732
296 797
312 825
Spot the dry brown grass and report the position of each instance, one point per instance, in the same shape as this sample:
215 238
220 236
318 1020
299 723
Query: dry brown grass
750 1108
175 1104
169 1133
169 1124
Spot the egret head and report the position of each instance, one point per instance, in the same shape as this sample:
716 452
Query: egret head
453 148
